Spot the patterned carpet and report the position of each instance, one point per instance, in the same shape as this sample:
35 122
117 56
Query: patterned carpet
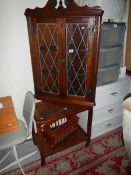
106 155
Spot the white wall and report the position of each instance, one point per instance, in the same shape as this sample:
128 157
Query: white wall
15 62
113 9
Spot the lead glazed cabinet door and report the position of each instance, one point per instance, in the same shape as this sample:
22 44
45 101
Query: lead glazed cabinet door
64 51
48 47
45 61
78 56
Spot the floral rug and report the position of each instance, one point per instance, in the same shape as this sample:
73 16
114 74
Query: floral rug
106 155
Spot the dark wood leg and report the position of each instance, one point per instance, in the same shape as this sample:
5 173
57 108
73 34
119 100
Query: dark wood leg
89 125
33 135
40 143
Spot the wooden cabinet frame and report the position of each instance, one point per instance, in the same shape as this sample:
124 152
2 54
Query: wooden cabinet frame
64 45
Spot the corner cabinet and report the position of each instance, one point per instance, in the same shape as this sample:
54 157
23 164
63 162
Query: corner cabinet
64 45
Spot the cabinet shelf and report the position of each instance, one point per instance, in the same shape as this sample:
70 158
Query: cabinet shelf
52 47
74 138
52 69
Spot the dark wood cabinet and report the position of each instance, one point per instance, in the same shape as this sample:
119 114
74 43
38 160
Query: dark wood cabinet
64 46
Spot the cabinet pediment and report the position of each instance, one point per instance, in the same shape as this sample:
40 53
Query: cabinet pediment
72 8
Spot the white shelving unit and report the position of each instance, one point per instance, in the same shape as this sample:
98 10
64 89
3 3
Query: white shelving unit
108 112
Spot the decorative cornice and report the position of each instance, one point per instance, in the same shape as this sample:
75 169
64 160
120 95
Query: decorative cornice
50 11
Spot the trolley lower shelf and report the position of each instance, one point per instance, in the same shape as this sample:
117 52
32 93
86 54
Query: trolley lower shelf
74 138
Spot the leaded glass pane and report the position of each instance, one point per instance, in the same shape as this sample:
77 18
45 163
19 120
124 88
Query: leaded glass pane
48 50
76 55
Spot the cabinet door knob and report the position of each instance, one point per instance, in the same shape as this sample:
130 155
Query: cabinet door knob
71 50
113 93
